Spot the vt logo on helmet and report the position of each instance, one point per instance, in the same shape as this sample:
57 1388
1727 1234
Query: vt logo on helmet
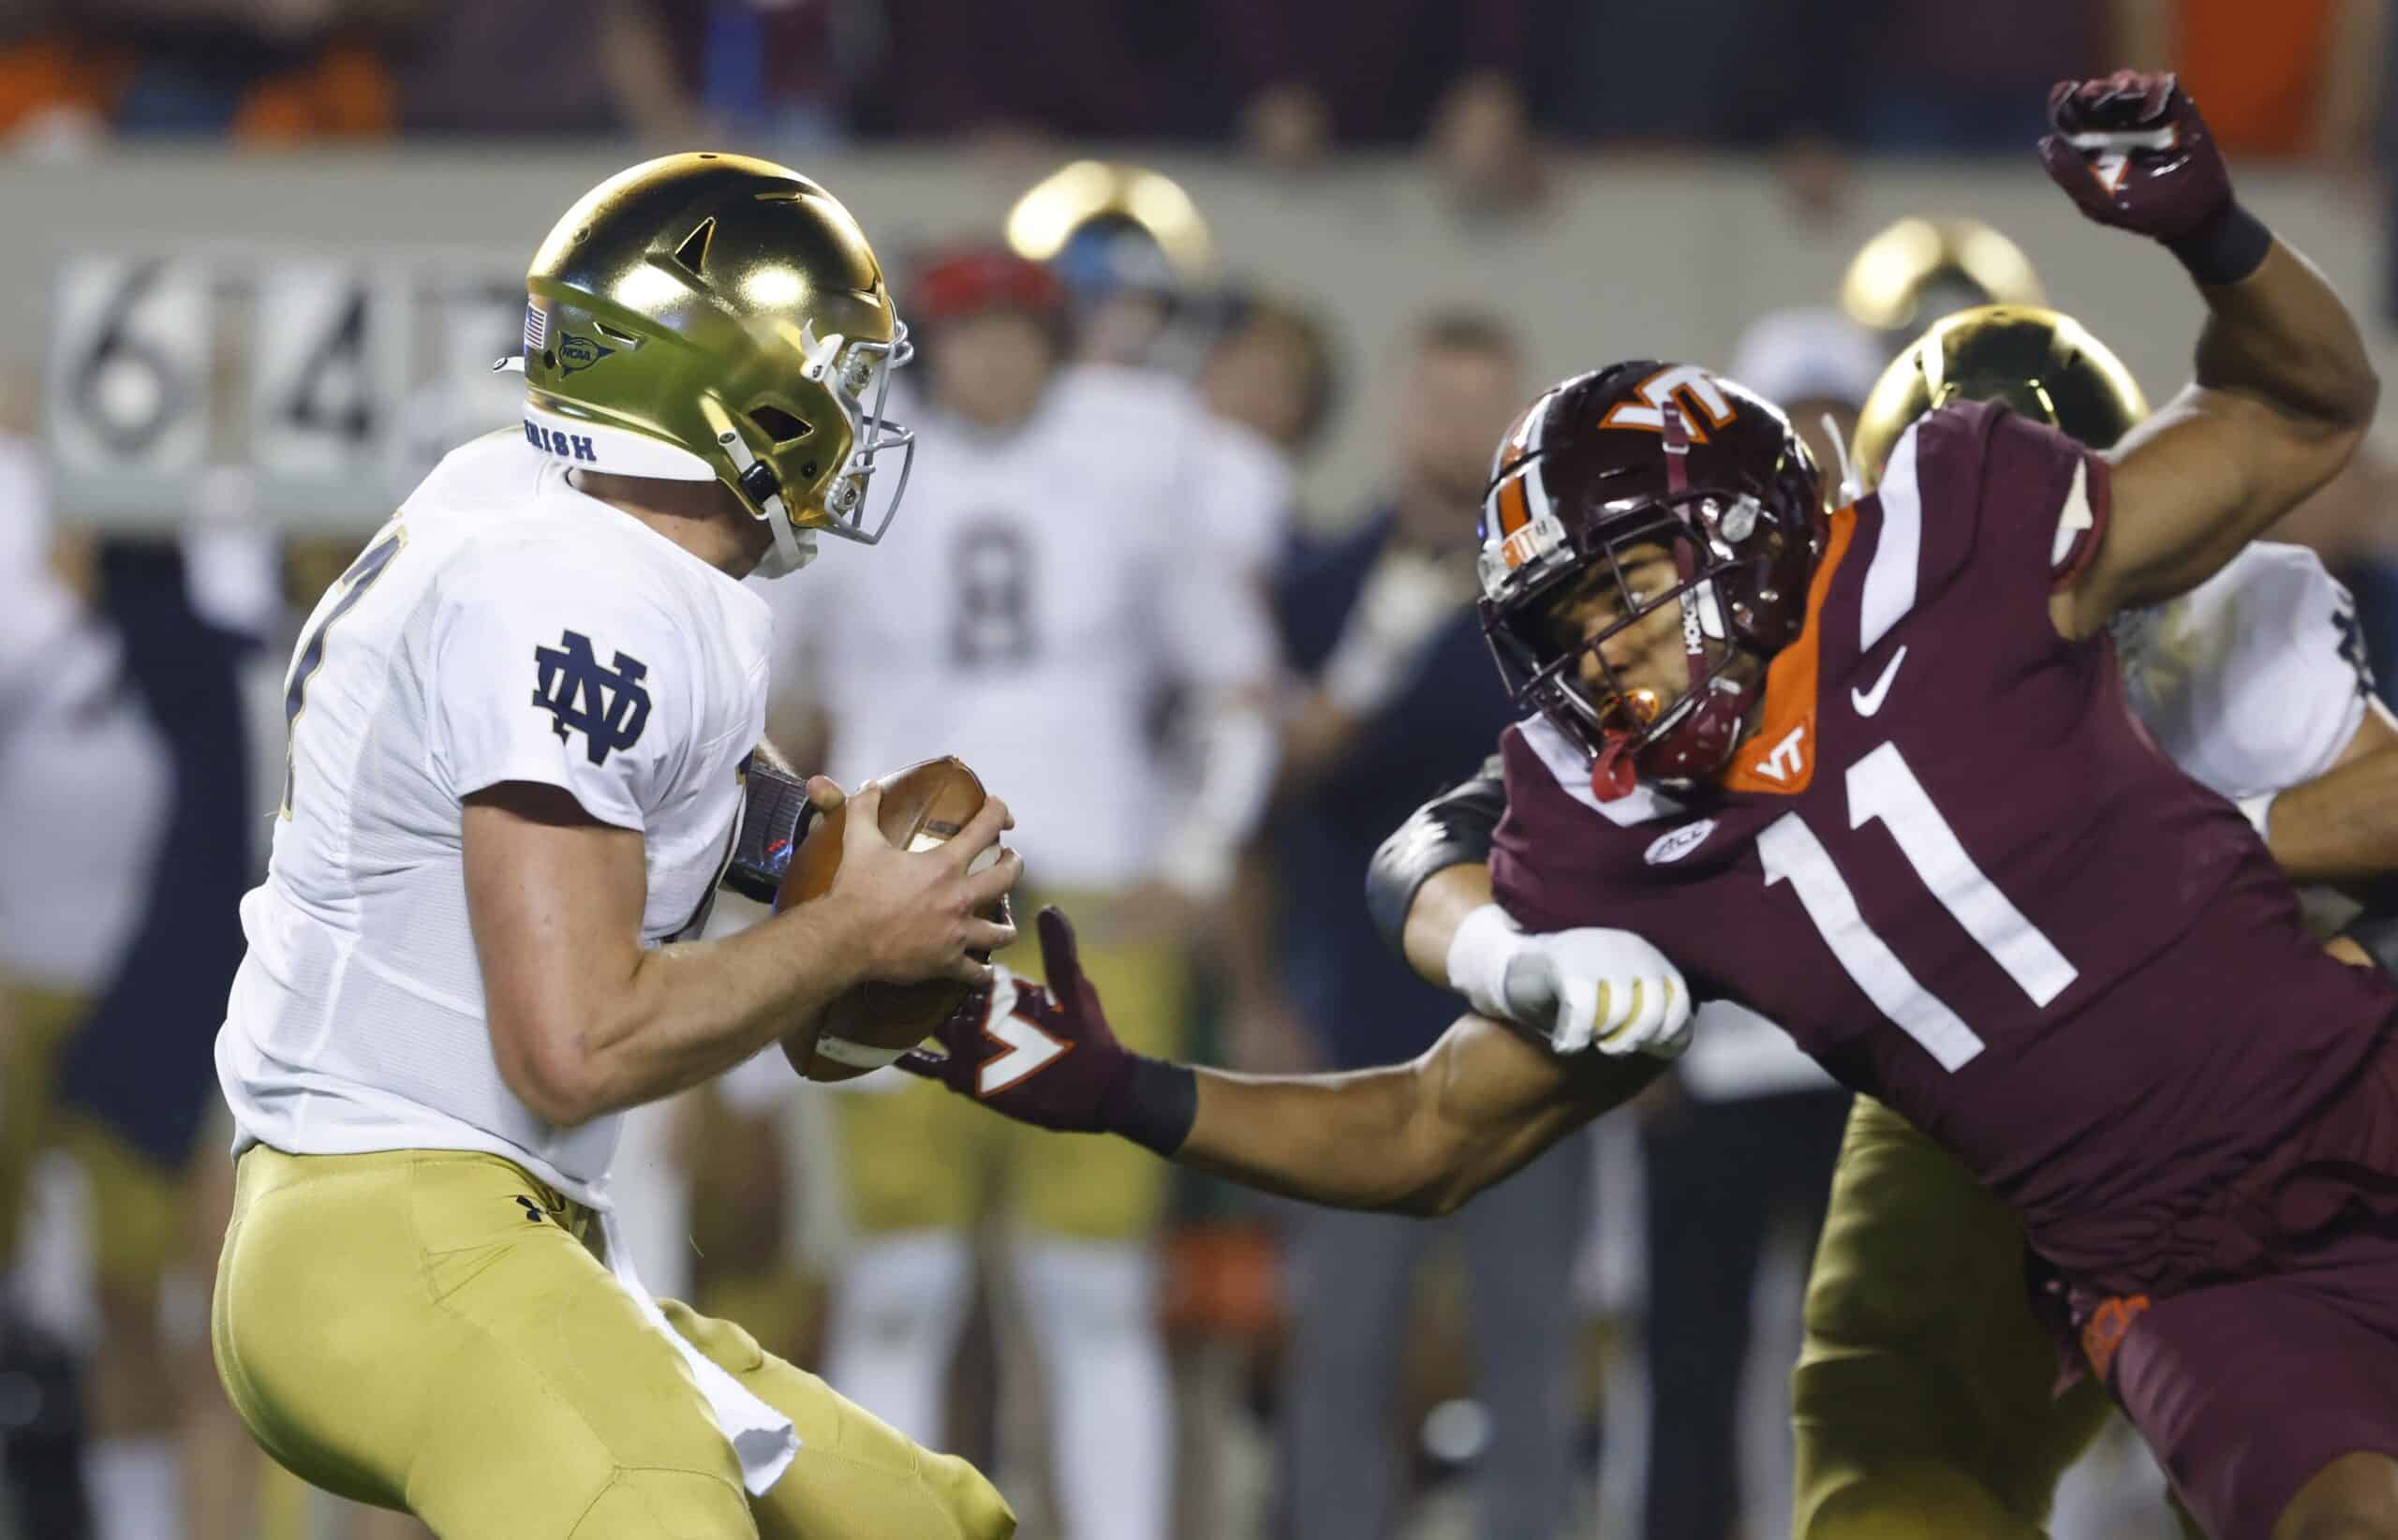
715 317
1617 495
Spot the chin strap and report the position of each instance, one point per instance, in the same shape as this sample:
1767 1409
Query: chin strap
1677 437
1852 486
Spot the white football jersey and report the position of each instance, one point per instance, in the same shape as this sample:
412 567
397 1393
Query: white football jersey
85 777
502 626
1037 596
2255 680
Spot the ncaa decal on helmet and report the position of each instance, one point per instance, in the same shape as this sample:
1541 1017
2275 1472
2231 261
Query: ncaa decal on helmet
718 317
1667 455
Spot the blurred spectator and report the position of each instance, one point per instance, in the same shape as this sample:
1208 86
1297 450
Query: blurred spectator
779 69
125 804
271 71
1401 702
51 90
268 71
606 67
1066 68
1974 80
1818 366
1751 72
2298 78
1271 370
85 788
1038 592
1352 72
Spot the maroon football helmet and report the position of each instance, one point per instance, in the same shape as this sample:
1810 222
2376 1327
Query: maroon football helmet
1663 455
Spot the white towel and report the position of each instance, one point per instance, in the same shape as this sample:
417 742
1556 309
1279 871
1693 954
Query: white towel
762 1438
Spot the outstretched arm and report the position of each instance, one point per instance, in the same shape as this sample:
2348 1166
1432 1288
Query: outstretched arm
2283 390
1416 1138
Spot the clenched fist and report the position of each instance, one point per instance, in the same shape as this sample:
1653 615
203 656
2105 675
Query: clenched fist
2131 150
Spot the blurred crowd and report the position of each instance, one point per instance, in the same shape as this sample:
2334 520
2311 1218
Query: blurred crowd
1207 705
1477 86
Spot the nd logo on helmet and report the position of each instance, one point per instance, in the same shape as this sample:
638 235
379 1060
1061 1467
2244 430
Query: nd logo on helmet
576 353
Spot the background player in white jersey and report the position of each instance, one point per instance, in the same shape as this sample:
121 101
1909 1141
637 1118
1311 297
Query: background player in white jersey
520 726
81 850
1062 570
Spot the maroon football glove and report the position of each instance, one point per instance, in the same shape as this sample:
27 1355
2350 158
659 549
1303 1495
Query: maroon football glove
2131 150
1047 1057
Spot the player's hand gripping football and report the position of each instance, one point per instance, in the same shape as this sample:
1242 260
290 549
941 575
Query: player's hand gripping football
2132 150
1041 1055
916 914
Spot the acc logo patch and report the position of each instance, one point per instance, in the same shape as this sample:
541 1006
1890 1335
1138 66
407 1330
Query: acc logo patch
577 353
1676 843
607 705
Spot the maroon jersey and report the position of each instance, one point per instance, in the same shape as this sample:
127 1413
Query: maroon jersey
1955 870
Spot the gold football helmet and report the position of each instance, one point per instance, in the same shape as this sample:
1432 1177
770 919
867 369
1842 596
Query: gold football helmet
1914 265
715 317
2043 364
1083 193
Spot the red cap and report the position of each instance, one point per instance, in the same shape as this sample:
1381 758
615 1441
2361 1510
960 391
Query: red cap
970 280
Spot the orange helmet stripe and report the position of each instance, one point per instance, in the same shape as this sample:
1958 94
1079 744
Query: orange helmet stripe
1515 508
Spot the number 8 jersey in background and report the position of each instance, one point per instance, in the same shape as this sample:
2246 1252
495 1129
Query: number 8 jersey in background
1955 869
504 627
1048 587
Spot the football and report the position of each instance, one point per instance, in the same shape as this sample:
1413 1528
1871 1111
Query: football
923 805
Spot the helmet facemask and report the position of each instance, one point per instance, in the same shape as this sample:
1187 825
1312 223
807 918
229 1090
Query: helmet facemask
1687 736
845 370
1737 563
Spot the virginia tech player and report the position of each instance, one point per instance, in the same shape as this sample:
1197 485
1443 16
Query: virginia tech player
1764 734
1925 1402
519 729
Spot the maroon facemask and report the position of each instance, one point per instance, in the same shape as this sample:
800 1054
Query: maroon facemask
1648 456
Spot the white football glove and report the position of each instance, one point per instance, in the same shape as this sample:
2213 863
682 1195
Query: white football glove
1590 989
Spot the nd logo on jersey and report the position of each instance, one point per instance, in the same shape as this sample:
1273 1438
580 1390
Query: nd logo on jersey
607 705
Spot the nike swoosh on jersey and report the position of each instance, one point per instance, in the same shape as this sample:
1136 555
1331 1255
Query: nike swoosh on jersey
1868 702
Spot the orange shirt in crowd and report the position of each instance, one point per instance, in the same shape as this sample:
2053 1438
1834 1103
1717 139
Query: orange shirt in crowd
2256 69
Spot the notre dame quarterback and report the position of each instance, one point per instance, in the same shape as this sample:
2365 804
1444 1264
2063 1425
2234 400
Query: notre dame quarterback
519 729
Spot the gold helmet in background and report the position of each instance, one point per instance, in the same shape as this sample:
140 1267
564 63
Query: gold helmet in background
1916 265
1134 253
2045 365
1084 196
717 318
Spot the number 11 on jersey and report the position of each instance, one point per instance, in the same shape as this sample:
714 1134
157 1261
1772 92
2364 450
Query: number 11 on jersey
1882 787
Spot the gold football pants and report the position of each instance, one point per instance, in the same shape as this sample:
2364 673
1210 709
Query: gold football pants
426 1330
1922 1402
915 1157
137 1204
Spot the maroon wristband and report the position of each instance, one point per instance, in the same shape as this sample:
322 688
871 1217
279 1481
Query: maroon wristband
1154 1102
2229 246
